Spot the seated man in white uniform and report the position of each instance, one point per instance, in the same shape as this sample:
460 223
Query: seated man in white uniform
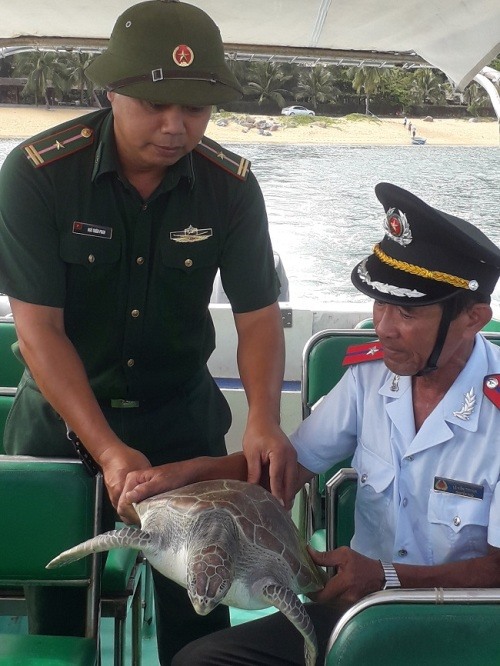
419 411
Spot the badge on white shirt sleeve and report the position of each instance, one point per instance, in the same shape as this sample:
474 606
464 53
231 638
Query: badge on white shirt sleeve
369 351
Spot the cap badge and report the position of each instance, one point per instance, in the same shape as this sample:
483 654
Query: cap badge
396 227
183 55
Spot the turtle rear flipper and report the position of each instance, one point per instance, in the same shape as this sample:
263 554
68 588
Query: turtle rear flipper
286 601
127 537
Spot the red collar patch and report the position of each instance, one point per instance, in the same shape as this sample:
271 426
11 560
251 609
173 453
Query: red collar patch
491 389
368 351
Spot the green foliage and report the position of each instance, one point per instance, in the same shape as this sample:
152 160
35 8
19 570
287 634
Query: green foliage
266 80
44 70
367 80
315 86
428 87
476 98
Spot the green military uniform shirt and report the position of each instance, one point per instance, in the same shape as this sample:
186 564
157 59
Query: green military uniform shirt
134 277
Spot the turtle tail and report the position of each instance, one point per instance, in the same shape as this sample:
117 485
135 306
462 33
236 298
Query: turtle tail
127 537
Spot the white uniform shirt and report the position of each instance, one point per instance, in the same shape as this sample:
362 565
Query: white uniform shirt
400 516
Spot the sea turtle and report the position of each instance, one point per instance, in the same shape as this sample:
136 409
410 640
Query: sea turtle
227 542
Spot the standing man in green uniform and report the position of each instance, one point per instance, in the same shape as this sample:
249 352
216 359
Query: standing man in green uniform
111 233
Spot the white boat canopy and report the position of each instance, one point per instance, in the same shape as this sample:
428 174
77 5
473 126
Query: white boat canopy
458 37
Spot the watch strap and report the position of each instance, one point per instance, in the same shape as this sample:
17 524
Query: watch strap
391 577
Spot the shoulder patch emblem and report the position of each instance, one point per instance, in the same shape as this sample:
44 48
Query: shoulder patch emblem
491 389
368 351
234 164
56 146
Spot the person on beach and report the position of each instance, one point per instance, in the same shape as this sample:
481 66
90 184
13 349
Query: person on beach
112 228
411 408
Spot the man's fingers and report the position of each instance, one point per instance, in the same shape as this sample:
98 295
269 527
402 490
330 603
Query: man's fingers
254 469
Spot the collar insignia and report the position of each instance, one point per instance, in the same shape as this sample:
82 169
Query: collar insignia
191 235
467 408
183 55
395 383
491 389
396 227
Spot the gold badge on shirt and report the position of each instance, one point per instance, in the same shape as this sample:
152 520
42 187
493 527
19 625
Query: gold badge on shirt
191 235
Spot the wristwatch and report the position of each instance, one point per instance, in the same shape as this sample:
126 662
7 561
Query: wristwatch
391 577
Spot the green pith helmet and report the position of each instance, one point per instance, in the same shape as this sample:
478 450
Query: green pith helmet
166 52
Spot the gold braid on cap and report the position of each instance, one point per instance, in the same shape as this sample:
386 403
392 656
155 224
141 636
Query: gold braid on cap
438 276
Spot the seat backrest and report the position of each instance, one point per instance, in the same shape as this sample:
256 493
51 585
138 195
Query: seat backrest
415 634
6 402
321 370
47 506
11 368
322 362
492 336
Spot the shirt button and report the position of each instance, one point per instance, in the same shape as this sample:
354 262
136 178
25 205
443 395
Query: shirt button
188 263
364 477
457 521
405 502
135 313
140 260
402 552
130 362
409 458
144 206
91 258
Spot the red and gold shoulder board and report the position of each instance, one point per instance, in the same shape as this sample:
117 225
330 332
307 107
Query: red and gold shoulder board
230 162
491 389
368 351
56 146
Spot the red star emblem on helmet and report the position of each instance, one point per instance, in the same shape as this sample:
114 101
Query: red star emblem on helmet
183 55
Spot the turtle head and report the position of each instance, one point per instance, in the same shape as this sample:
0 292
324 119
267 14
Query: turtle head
209 578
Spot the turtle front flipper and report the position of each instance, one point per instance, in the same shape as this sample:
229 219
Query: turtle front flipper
211 555
127 537
286 601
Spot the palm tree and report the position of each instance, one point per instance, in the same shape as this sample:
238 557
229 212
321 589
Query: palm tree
428 88
44 69
366 79
315 86
77 64
475 97
266 79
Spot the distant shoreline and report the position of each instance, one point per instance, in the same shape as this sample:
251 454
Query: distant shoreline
21 122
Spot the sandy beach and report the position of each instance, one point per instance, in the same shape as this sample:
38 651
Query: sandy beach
17 122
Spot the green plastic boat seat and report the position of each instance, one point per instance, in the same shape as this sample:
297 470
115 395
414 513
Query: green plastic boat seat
27 650
321 370
11 368
417 634
5 405
46 506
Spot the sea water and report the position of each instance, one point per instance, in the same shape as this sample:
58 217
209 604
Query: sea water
324 215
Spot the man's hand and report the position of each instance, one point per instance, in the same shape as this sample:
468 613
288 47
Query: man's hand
116 462
356 575
271 451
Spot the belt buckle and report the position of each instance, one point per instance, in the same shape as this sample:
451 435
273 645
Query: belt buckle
124 404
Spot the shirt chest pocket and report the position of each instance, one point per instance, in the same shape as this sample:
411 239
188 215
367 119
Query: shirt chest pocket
374 473
188 254
88 251
457 511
